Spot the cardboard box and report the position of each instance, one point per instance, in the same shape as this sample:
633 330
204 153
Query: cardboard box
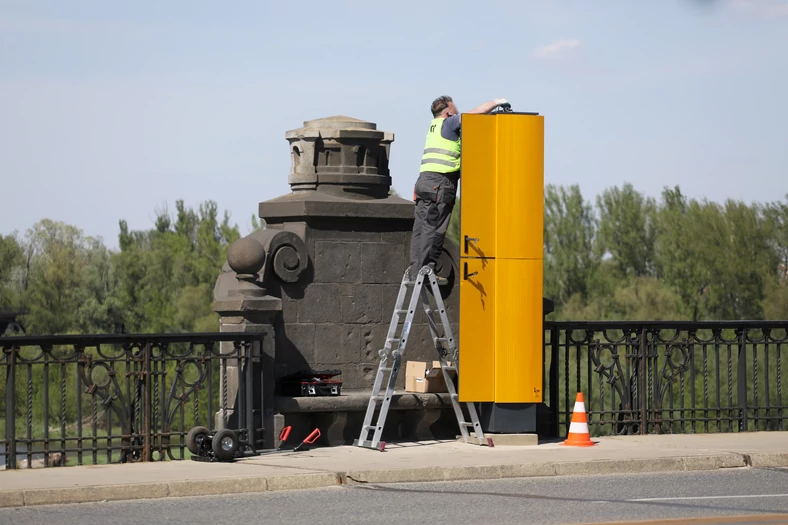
425 377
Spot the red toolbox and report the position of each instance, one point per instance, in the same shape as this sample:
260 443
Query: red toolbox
312 383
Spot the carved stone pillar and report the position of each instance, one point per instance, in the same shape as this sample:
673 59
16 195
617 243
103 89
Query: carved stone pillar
324 274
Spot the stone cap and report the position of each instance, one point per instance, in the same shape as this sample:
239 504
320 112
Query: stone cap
341 156
340 126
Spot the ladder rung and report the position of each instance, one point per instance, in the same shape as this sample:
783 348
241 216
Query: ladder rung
370 427
400 311
466 424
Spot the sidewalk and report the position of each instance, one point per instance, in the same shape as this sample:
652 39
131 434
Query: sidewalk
423 461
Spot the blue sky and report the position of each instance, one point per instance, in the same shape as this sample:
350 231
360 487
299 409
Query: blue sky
113 110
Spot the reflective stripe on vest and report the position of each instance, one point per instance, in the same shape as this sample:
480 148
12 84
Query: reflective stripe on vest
440 155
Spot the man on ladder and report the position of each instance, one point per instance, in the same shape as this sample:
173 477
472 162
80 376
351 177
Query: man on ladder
434 194
436 188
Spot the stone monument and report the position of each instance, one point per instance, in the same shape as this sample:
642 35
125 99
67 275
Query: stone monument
322 277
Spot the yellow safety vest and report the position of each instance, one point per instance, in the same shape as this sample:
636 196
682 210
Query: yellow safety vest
440 155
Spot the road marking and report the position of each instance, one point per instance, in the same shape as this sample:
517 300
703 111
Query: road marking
708 520
690 498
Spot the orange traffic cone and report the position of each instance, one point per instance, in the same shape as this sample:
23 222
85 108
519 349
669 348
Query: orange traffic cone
578 429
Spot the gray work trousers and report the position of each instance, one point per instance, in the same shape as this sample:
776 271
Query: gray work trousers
435 195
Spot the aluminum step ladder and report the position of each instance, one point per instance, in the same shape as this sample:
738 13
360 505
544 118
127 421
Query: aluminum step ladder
410 292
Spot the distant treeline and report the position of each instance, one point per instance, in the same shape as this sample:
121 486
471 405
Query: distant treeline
624 257
161 280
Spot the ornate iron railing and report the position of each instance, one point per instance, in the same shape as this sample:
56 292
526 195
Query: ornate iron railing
125 398
114 398
668 377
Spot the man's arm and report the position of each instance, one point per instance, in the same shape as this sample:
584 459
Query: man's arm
488 106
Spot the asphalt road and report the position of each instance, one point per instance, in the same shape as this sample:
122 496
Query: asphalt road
754 495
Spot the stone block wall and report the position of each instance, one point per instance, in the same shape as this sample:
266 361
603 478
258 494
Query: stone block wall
339 317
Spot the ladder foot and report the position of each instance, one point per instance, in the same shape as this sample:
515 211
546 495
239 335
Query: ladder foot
381 445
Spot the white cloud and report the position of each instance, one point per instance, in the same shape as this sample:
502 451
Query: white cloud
555 49
780 10
741 4
769 8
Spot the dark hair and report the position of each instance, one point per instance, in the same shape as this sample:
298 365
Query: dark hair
439 104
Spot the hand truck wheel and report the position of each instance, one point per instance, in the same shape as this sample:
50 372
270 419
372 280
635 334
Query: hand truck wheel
225 444
195 439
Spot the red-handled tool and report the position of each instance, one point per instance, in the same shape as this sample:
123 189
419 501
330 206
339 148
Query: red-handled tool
311 438
283 435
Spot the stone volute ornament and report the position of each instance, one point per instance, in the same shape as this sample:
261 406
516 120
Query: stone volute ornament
265 255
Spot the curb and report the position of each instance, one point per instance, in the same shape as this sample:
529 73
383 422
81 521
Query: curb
568 468
175 489
207 487
766 460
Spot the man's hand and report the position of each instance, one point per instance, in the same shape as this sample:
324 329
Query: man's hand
487 107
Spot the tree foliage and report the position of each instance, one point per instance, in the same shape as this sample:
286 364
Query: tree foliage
160 280
627 231
569 236
11 257
621 256
639 258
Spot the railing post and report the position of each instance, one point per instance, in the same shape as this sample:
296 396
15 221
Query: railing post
641 382
554 402
146 402
251 349
10 410
741 379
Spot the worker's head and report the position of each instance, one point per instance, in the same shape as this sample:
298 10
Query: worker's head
443 107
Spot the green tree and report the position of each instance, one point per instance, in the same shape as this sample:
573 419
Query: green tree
742 261
99 308
680 257
258 223
11 259
776 222
645 298
55 256
569 230
716 258
627 230
776 281
167 274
